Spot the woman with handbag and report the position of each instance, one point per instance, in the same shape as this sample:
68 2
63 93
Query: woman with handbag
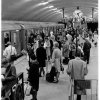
33 77
56 59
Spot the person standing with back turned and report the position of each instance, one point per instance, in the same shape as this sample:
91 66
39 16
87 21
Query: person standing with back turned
77 69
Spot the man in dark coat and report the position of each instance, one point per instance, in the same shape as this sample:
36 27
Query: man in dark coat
33 77
6 39
51 47
60 45
86 50
42 35
31 39
41 57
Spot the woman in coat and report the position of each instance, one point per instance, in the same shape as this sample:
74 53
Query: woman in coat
56 59
66 51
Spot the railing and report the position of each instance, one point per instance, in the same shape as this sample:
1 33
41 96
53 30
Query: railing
85 88
15 89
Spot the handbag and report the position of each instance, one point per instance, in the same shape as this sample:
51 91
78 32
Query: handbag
48 77
61 68
28 90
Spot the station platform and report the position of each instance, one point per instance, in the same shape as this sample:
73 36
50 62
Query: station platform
59 91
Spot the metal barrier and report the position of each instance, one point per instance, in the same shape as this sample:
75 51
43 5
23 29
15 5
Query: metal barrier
15 89
20 80
88 89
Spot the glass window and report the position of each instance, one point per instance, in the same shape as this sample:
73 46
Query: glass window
15 38
6 37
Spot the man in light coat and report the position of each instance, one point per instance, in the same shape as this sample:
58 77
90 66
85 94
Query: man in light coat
77 69
10 50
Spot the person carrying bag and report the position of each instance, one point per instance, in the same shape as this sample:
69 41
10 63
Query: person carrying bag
77 69
28 89
33 76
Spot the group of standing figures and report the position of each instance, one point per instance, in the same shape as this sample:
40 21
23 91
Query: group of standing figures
44 50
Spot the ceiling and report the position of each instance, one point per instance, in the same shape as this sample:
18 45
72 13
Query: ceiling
45 10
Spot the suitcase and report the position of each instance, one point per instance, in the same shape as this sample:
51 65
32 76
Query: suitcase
50 76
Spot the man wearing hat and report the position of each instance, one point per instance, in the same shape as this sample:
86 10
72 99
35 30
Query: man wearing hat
86 50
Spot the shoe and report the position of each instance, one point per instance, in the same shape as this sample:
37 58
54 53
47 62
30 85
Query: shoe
43 73
33 99
56 81
40 75
87 62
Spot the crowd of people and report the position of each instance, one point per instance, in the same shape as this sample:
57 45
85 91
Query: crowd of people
56 49
62 49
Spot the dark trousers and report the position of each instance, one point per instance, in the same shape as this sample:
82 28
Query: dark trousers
66 60
78 97
87 56
51 51
34 94
41 70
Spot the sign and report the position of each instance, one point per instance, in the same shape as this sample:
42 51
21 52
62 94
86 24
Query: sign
82 84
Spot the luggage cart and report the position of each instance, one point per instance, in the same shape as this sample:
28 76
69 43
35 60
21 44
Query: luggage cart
88 88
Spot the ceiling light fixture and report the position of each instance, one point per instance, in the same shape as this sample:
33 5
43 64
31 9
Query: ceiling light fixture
66 15
58 11
50 6
43 3
54 9
50 0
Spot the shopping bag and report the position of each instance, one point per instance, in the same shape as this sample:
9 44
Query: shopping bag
61 68
28 90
